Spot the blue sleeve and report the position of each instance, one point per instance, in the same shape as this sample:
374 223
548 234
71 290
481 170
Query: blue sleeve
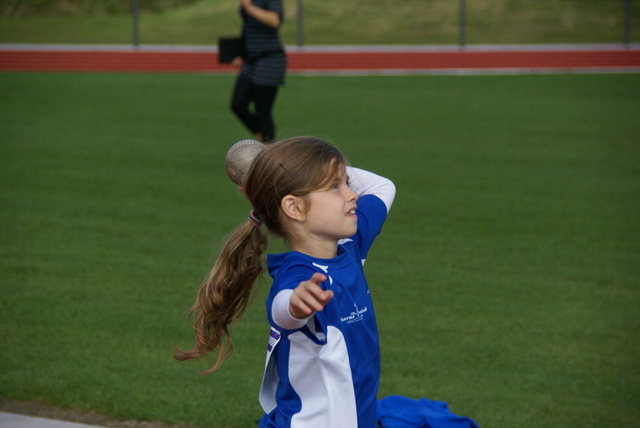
372 213
288 279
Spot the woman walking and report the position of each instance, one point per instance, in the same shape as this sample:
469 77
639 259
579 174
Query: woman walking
262 69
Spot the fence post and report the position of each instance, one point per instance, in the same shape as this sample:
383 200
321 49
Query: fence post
136 32
299 23
463 18
627 23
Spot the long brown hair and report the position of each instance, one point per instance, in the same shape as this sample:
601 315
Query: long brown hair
295 166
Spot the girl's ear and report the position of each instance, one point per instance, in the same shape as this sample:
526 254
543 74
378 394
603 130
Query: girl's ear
293 207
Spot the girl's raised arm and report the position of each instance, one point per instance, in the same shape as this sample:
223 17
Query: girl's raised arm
367 183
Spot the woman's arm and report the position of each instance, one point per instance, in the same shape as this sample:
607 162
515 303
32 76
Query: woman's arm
266 17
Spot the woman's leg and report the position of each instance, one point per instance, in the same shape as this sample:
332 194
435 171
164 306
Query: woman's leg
243 94
265 97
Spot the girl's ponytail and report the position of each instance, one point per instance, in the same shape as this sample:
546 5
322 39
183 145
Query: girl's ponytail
224 295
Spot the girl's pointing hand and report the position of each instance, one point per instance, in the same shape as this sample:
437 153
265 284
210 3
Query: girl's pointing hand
308 297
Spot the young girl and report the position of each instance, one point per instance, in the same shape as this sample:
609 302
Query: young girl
323 358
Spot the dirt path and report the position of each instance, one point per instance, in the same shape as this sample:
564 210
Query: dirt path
71 415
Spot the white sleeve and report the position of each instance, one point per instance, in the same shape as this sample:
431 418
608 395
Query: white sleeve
367 183
281 315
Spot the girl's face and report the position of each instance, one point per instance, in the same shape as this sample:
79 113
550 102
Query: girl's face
331 214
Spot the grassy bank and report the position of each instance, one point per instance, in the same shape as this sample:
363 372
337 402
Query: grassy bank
348 22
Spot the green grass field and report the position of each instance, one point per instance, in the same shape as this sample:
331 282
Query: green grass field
505 280
330 22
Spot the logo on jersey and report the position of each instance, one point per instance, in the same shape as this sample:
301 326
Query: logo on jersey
355 316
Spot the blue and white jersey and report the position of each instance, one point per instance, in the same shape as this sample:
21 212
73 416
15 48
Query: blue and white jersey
326 372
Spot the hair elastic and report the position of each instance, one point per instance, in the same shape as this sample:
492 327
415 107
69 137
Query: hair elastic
255 220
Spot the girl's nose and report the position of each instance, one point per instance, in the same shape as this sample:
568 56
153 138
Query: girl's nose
352 196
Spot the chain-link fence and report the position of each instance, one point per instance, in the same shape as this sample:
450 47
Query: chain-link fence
326 22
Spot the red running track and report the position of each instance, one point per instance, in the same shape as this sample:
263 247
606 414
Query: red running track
322 60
